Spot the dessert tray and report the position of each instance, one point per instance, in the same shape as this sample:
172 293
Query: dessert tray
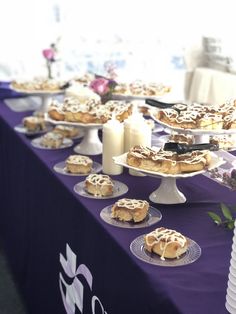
60 167
137 248
119 189
91 144
154 216
36 142
21 129
167 192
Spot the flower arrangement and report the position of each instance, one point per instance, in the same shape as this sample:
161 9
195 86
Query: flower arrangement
103 87
50 55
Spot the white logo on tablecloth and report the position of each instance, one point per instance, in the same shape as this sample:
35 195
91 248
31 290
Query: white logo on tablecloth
74 293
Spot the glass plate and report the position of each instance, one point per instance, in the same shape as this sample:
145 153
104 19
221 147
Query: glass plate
154 216
61 168
21 129
119 189
37 143
192 254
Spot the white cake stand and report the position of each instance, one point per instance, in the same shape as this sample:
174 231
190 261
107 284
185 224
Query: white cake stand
45 96
200 135
90 144
168 192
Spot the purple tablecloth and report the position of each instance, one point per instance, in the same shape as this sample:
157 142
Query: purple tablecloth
41 216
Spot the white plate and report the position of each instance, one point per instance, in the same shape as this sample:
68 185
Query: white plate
119 189
194 131
21 129
84 125
215 162
60 167
137 248
154 216
37 143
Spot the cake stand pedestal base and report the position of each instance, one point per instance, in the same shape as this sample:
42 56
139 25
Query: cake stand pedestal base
167 193
91 144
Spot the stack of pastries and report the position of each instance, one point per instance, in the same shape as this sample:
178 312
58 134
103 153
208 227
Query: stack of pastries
93 111
198 116
168 162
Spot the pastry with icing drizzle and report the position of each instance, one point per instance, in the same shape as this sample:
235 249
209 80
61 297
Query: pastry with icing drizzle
79 164
199 116
34 124
99 185
127 209
166 243
66 131
92 111
167 161
52 140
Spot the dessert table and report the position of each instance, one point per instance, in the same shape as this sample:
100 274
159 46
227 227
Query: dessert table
66 259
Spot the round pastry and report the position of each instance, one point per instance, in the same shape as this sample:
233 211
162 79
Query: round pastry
79 164
130 210
66 131
99 185
52 140
166 243
34 124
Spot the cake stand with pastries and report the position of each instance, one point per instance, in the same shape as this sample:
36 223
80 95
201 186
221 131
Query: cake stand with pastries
90 144
201 135
168 192
45 89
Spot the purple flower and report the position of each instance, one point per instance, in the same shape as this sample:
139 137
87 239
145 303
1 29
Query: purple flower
49 54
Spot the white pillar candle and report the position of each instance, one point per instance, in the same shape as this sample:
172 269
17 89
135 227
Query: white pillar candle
129 123
113 145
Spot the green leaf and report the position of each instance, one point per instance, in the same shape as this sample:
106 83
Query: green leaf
226 212
215 217
230 225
